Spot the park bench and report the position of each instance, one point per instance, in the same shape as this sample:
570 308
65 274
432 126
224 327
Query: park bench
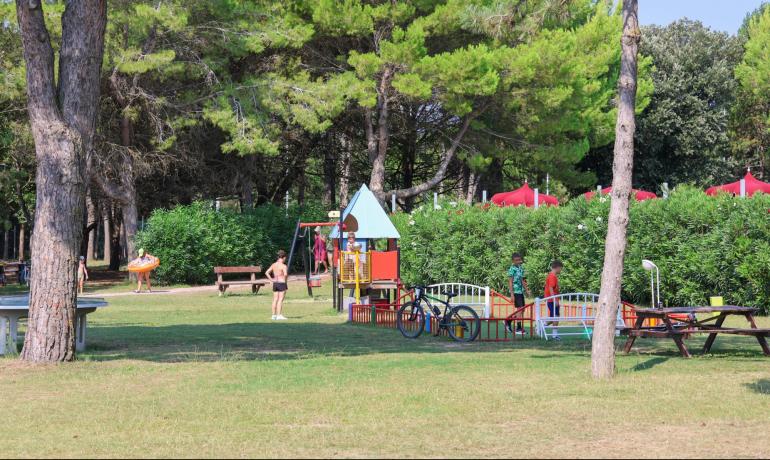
12 272
223 284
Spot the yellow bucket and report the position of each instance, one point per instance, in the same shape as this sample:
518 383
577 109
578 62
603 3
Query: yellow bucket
459 331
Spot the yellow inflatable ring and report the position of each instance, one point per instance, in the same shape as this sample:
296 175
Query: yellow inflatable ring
143 264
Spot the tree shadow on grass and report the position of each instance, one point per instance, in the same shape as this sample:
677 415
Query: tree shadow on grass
255 341
290 341
649 364
761 386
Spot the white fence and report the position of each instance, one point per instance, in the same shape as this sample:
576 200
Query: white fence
577 310
467 294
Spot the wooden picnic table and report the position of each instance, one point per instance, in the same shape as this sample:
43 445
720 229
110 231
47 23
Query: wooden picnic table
679 323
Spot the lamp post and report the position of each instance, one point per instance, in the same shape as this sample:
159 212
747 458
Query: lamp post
654 281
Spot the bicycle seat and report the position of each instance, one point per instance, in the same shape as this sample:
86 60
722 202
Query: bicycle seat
449 294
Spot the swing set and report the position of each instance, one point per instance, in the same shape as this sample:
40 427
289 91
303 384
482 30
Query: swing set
368 273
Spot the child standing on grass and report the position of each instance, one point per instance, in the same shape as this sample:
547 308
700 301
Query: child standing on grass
517 285
552 289
82 274
277 274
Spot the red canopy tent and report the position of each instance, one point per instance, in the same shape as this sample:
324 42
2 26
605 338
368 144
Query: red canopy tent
523 196
639 195
753 185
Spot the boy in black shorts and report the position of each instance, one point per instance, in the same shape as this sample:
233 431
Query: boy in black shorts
277 274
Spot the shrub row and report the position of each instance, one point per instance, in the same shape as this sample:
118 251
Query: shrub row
191 240
703 245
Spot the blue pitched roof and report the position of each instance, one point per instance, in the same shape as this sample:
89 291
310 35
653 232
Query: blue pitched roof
373 221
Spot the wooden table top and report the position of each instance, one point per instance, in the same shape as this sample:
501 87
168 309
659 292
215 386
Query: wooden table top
686 310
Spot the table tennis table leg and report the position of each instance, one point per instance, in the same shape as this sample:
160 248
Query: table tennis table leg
80 333
3 334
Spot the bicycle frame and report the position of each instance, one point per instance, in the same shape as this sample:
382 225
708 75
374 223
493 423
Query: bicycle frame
422 298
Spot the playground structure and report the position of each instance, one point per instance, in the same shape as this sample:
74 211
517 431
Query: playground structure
368 274
363 270
495 310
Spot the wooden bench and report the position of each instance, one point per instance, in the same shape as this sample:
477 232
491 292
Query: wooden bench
222 284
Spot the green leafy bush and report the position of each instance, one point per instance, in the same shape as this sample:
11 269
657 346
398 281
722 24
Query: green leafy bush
191 240
703 245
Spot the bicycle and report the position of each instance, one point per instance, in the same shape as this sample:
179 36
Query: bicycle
462 323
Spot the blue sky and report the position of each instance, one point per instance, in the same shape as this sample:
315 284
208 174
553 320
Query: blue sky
722 15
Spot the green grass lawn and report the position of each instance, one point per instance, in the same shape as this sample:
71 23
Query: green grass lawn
196 375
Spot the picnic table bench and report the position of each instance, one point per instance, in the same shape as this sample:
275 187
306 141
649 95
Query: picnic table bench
681 322
223 284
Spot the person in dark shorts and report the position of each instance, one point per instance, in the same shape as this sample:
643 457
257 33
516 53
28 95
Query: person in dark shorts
277 274
552 289
517 285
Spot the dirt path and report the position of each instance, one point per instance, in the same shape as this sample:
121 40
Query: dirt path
187 290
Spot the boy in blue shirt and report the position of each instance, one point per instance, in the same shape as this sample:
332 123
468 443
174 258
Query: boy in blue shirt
517 285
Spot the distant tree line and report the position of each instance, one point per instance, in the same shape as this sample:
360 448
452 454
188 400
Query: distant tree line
251 100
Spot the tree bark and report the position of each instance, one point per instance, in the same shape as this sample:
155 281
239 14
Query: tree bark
603 347
377 144
115 248
107 231
6 244
473 185
345 160
330 179
22 241
62 121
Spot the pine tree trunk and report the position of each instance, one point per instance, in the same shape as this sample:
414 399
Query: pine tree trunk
62 121
115 248
107 231
603 347
22 241
330 168
345 161
473 184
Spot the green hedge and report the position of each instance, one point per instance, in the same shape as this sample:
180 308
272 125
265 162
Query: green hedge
703 245
191 240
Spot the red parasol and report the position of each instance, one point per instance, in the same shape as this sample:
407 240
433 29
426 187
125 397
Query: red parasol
753 185
523 196
639 195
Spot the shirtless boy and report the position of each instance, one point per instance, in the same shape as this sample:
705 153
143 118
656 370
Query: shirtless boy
277 275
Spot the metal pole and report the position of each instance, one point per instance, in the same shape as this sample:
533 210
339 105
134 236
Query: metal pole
652 290
547 184
393 203
664 187
293 244
743 188
287 203
435 200
340 290
657 271
537 198
484 196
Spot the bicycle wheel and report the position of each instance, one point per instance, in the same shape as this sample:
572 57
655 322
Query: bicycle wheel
463 324
410 320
